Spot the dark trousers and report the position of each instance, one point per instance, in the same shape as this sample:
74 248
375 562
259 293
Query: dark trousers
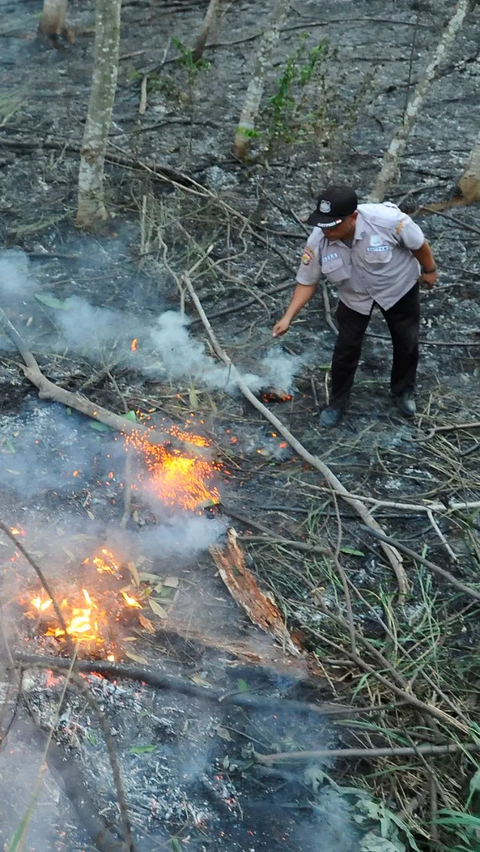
403 321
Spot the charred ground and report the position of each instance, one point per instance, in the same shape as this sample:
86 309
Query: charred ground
334 128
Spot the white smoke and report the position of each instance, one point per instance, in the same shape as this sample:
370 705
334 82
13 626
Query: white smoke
89 330
15 277
184 357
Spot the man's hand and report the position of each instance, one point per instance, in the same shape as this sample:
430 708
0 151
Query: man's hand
281 327
428 279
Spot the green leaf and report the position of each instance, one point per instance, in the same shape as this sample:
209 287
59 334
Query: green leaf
475 781
145 749
176 845
242 685
373 843
100 427
51 301
131 416
351 551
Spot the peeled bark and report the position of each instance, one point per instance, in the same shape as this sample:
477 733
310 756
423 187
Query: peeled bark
53 22
469 183
91 201
209 22
392 156
253 98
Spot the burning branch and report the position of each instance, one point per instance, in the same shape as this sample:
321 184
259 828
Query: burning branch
391 553
19 546
49 390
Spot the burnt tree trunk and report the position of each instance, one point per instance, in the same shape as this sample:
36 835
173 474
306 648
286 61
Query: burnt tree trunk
53 22
91 209
209 22
253 97
469 183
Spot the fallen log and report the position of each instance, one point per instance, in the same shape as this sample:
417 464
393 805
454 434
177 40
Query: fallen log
240 582
49 390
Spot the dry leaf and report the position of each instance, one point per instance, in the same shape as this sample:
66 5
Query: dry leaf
158 609
133 571
146 623
69 553
199 680
136 657
90 515
145 577
224 733
171 582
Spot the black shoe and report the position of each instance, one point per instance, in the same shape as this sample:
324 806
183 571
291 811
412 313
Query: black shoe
406 403
331 417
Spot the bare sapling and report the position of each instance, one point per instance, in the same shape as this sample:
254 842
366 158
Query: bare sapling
246 125
91 209
210 22
391 159
469 183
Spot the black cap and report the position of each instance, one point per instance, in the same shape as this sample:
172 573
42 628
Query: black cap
334 205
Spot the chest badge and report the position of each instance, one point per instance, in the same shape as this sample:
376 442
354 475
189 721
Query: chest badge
376 240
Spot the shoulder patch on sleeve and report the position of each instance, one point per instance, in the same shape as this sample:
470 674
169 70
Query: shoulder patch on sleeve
308 255
400 226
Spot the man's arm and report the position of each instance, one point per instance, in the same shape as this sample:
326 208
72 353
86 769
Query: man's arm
427 262
301 295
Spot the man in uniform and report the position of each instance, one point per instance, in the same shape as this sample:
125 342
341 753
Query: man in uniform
374 254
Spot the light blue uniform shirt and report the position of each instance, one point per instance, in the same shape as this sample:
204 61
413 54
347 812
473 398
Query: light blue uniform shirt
378 267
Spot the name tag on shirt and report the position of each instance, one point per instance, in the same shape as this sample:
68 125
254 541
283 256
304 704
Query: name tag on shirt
332 256
378 248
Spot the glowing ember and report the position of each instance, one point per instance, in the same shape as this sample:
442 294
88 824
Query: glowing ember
17 531
134 344
105 563
179 480
41 605
131 601
83 622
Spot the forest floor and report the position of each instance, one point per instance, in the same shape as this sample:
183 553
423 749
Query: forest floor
178 198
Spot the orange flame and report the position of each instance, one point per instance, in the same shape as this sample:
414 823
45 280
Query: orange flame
83 623
131 601
178 479
105 563
134 344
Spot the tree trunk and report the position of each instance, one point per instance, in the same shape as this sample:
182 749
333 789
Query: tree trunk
251 105
53 22
391 159
209 22
91 203
469 183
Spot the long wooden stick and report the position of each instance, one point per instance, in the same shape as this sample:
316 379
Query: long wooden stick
365 753
41 576
391 553
49 390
